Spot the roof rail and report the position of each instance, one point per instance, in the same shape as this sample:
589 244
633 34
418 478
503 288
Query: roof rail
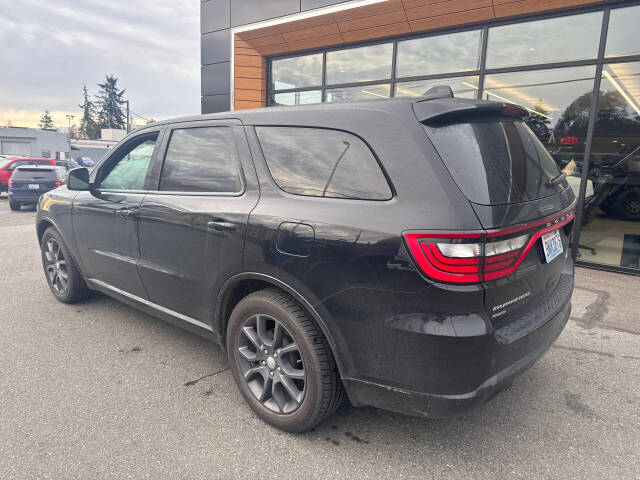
439 91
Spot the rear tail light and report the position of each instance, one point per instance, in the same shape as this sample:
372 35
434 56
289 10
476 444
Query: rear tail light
10 183
59 183
474 257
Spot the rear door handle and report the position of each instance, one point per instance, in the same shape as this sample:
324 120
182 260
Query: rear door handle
125 212
221 225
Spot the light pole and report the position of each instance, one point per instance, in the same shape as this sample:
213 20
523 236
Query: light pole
128 117
69 117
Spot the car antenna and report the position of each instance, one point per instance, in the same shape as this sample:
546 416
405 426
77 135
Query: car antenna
439 91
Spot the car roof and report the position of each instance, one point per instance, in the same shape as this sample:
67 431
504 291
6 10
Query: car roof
30 158
428 106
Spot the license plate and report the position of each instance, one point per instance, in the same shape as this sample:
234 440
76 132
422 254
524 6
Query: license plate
34 186
552 245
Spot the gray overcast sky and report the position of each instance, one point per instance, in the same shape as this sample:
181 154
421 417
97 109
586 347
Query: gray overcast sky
49 49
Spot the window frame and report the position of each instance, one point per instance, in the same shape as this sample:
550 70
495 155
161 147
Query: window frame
481 72
138 137
282 191
238 138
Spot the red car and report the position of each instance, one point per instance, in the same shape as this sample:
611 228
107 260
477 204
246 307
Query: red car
9 164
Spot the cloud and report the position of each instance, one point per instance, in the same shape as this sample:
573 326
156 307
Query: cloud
51 49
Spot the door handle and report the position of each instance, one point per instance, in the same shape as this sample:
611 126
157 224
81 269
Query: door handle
221 225
125 212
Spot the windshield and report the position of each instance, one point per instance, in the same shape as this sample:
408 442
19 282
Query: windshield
496 161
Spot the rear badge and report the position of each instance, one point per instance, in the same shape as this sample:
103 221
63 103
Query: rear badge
500 309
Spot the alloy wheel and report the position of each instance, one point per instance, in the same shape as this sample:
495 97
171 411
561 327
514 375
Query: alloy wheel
633 207
271 364
56 266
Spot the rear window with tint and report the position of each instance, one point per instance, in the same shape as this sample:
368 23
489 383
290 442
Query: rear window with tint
496 161
322 163
35 174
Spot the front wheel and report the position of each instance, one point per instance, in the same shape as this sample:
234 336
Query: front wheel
281 362
64 278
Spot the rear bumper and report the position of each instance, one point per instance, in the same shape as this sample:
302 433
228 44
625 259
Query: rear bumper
24 200
446 367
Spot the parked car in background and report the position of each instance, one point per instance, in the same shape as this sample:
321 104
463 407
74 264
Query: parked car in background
27 183
412 254
9 164
68 164
85 161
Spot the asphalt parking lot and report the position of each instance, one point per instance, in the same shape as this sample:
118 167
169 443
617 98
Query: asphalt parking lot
100 390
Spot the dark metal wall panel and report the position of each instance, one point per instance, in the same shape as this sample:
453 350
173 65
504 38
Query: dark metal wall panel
215 15
215 47
311 4
216 79
215 103
249 11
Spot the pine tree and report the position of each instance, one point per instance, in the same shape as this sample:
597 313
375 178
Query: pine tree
109 100
45 120
88 127
539 122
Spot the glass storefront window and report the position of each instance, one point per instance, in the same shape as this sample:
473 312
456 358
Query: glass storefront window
463 87
296 72
455 52
611 232
297 98
558 101
355 94
623 36
360 64
561 39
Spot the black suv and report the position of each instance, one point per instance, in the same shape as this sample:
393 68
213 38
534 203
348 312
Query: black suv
412 254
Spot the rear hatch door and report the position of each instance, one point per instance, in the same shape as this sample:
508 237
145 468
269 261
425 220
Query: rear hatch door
517 192
33 181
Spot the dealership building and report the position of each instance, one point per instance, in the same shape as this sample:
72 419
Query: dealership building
573 64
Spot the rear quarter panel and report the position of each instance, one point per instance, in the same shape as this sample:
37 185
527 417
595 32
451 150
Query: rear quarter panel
359 275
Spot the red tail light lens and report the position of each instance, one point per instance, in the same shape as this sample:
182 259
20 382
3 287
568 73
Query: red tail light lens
465 258
10 183
59 183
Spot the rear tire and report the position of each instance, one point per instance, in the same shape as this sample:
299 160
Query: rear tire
62 274
14 206
292 399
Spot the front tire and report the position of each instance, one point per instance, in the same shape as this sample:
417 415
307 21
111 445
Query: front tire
14 206
282 362
64 278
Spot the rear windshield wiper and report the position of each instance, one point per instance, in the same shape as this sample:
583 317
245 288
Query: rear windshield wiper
557 180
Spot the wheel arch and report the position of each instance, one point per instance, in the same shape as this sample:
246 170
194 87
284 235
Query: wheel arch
43 224
242 284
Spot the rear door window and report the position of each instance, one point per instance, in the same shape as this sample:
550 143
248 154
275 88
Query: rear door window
322 163
496 161
202 159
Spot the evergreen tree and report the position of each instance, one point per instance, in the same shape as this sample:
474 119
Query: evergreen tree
109 100
88 127
539 122
45 120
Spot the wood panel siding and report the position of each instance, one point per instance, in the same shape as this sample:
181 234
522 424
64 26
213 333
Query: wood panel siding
371 22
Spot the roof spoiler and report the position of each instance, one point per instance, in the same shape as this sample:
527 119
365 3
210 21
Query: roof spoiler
442 111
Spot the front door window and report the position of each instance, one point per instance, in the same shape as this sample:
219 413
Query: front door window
128 170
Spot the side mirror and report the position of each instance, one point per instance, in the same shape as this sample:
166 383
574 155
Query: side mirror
78 179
